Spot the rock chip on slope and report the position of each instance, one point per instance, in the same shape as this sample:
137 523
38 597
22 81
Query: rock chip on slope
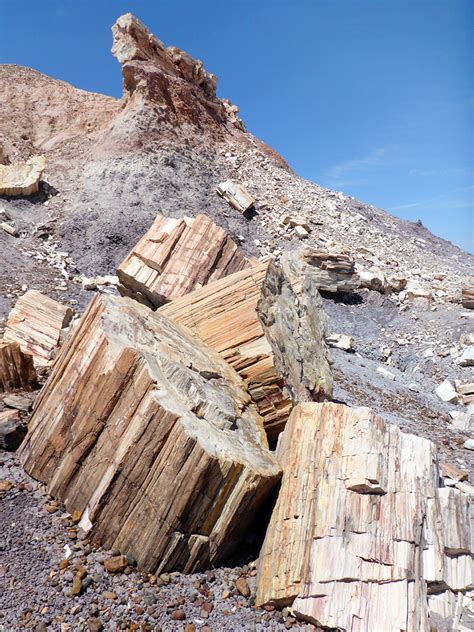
189 463
466 358
176 256
324 554
467 291
292 316
235 195
331 272
446 392
22 179
340 341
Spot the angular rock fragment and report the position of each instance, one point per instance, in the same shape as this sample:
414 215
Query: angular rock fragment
12 430
373 279
341 341
21 179
330 272
293 319
152 436
224 315
446 392
467 290
16 368
176 256
467 357
36 323
235 195
361 534
9 229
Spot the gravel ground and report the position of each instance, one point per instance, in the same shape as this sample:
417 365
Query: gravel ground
36 580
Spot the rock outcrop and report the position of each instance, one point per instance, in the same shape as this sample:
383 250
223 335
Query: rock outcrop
37 323
152 437
362 537
224 315
467 289
23 178
176 256
293 319
16 368
330 272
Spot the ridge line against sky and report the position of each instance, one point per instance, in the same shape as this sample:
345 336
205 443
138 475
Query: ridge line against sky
372 98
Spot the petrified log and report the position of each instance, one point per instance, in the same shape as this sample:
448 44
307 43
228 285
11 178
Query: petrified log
176 256
36 324
224 315
467 289
16 368
235 195
12 430
361 532
293 319
22 178
331 272
152 436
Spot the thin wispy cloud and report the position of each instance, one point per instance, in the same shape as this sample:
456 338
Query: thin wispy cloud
454 203
355 170
440 173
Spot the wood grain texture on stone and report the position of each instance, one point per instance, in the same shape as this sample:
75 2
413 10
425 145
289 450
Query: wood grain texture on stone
332 272
467 290
21 179
16 368
292 316
152 436
361 536
235 195
36 324
177 256
224 315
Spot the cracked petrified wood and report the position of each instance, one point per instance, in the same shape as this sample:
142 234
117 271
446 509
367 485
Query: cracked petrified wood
331 272
36 323
361 533
176 256
23 178
152 436
224 315
16 368
467 290
293 319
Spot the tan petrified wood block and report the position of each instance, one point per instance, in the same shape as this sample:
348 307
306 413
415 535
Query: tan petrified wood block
177 256
22 178
224 315
16 368
36 323
361 532
152 436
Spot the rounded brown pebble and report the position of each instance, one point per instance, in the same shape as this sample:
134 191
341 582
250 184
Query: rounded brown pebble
189 627
242 586
178 615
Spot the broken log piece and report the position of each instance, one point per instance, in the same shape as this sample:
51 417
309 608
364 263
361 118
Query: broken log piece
331 272
36 323
236 196
152 436
361 532
224 315
176 256
12 430
22 178
292 316
467 290
16 368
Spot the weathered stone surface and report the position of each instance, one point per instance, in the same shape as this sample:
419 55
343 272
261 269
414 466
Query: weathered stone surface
12 430
467 290
21 179
331 272
361 534
152 436
235 195
224 315
36 323
16 368
292 316
446 392
341 341
176 256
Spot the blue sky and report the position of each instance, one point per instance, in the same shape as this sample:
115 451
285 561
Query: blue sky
371 97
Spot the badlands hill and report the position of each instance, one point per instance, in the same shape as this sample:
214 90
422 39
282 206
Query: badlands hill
113 165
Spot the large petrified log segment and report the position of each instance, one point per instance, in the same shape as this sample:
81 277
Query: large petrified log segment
361 532
467 290
224 315
23 178
176 256
293 319
36 324
16 368
152 436
332 272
